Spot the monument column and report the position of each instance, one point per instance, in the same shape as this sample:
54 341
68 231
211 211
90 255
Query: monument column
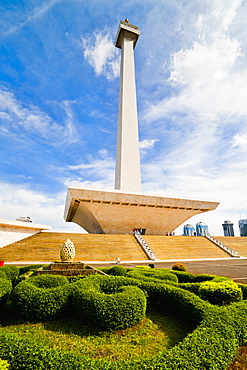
128 172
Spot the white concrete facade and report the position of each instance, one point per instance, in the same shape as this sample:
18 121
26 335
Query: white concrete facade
128 172
13 231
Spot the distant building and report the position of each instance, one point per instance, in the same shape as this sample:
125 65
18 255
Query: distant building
242 227
189 230
201 229
228 228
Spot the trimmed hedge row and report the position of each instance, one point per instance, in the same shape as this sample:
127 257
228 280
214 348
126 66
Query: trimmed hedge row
5 290
4 365
221 293
120 310
41 298
147 273
48 297
211 346
11 272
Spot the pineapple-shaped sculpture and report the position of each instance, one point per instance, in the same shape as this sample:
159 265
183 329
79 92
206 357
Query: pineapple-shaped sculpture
67 251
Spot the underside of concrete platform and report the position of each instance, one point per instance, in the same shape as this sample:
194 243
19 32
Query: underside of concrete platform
117 212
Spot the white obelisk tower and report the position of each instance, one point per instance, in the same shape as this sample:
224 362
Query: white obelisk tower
128 172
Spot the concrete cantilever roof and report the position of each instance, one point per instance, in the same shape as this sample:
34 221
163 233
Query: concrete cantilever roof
117 212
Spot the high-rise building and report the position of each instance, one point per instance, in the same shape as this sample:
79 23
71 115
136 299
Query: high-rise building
242 227
228 228
189 230
201 229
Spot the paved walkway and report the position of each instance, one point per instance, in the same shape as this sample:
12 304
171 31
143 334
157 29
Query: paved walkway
234 268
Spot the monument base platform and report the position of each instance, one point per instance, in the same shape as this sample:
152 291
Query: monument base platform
116 212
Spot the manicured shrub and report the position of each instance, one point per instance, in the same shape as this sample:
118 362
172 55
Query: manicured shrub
48 281
221 293
5 290
25 354
117 271
243 287
212 345
150 273
4 365
35 302
179 267
2 275
170 299
24 269
202 277
183 277
11 272
121 309
191 287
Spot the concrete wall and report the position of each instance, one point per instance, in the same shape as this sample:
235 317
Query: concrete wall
12 231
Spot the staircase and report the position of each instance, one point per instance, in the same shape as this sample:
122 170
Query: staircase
45 247
183 247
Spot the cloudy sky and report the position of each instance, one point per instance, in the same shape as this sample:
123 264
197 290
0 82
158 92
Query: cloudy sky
59 82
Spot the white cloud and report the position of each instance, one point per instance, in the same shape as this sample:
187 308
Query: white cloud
16 201
147 144
99 171
240 141
15 116
101 54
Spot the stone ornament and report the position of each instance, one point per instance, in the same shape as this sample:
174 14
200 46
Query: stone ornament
67 251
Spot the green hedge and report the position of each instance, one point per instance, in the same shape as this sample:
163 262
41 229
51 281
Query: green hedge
35 301
3 275
211 346
243 287
119 310
11 272
5 290
4 365
48 281
117 270
219 330
24 269
221 293
170 299
145 273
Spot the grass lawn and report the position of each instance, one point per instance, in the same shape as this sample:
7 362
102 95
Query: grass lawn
155 333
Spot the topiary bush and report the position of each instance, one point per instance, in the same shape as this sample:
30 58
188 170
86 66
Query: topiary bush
119 310
48 281
243 287
219 330
24 269
117 271
221 293
148 273
179 267
3 275
4 365
183 276
41 298
11 272
5 290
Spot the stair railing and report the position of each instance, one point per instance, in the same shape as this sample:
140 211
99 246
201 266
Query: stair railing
219 244
144 245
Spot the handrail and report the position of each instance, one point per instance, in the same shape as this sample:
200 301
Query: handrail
219 244
144 245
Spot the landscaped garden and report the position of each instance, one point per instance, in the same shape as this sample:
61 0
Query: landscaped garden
140 318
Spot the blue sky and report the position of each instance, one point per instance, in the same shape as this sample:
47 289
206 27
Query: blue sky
59 81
